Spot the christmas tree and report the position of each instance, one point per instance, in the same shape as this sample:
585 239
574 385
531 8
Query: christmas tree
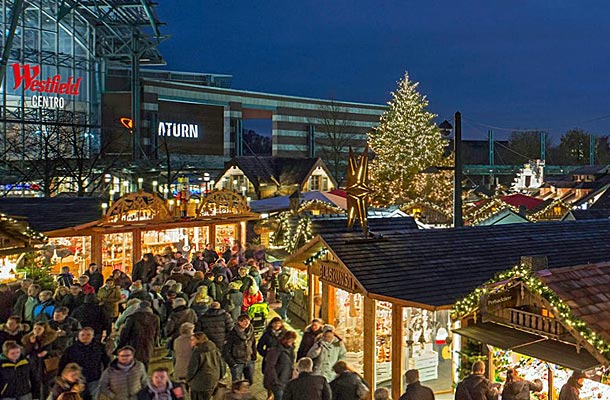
405 143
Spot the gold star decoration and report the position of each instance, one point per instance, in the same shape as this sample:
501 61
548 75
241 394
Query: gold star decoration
358 190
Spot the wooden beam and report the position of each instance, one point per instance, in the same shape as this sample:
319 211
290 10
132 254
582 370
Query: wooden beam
136 251
96 249
369 343
397 351
311 291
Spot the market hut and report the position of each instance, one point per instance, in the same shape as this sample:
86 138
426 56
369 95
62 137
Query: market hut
550 322
141 222
16 238
395 290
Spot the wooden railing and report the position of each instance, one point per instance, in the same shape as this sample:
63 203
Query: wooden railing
534 323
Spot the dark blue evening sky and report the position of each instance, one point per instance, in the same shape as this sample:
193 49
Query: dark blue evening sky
512 64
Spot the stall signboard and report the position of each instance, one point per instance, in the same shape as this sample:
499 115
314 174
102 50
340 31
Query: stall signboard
497 300
338 276
45 89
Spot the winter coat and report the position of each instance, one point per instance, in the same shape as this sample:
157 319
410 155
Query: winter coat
118 383
180 278
145 271
92 358
96 279
205 368
140 294
28 308
141 331
479 388
43 312
325 355
110 297
216 324
43 342
6 305
346 386
73 302
179 316
69 331
279 362
63 386
16 336
93 316
210 256
240 346
570 391
308 387
256 275
232 303
192 286
520 390
416 391
175 391
224 271
199 264
182 356
268 339
250 299
15 377
247 282
307 341
65 279
220 290
123 281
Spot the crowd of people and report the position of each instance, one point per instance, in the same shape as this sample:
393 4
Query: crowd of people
90 337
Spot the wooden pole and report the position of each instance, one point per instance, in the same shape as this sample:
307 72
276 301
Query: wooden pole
397 351
136 247
311 290
96 249
551 382
369 343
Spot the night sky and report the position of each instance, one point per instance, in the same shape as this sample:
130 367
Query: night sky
509 64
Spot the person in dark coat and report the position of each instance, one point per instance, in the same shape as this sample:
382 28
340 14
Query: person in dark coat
179 315
475 386
13 329
307 386
571 390
74 299
278 364
121 280
6 302
91 314
145 269
205 368
239 350
270 337
517 388
38 346
69 380
65 278
216 323
160 387
220 268
141 331
96 279
233 300
209 254
348 385
20 296
199 262
91 356
415 390
15 372
312 331
67 328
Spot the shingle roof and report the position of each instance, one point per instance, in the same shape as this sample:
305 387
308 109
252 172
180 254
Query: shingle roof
586 290
326 226
602 213
438 267
49 214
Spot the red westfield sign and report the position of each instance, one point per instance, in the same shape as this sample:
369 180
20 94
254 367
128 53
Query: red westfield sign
28 76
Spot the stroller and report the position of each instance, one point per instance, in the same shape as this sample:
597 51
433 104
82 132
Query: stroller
258 316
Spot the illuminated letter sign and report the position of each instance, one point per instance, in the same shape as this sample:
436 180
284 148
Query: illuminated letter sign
26 75
178 130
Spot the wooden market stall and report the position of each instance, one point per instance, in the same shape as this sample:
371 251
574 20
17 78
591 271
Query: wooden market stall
16 238
141 222
549 322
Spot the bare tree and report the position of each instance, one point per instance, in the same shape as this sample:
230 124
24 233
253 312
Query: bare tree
333 138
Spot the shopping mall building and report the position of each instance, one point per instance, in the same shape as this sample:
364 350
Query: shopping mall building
72 72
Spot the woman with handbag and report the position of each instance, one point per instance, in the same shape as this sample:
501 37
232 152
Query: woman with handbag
44 360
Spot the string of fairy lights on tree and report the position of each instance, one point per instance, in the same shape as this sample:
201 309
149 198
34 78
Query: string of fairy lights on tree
405 143
560 309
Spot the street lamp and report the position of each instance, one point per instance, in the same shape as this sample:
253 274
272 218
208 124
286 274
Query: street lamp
140 182
154 185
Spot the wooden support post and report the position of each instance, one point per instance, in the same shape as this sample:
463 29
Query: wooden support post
369 343
491 366
96 249
328 303
136 252
551 382
311 291
213 239
397 351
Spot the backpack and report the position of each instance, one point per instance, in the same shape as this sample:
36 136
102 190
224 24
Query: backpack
228 304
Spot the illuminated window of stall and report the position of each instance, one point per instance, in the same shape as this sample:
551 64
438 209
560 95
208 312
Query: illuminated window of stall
383 344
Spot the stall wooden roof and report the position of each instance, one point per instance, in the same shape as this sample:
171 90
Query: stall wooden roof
586 290
438 267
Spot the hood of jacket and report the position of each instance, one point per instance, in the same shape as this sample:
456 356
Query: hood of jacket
205 347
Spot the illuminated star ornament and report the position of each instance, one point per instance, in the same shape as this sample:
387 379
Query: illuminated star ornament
358 190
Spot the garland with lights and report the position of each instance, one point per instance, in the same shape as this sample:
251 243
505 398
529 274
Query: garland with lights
539 215
320 205
27 231
560 309
315 257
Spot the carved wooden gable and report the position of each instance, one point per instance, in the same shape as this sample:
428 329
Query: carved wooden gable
223 202
135 207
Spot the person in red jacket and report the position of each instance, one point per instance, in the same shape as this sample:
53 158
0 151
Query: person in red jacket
252 296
